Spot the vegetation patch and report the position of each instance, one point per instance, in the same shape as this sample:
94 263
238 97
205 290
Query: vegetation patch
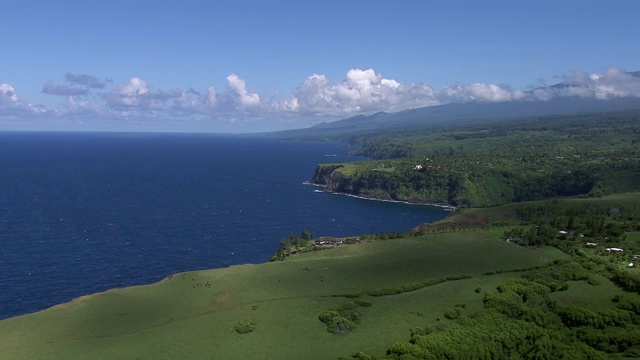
524 307
415 286
244 327
494 163
344 318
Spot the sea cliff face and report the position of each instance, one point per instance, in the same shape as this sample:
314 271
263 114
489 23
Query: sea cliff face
402 180
326 175
372 184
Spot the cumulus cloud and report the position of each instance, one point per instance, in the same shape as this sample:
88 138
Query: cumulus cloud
615 83
137 95
238 89
366 92
210 99
358 92
11 105
75 105
184 100
361 91
8 96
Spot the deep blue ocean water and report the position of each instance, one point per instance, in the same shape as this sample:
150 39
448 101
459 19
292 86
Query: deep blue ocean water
85 212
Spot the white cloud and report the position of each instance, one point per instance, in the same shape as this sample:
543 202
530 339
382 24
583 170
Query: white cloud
617 83
238 89
317 97
482 92
185 100
11 105
210 99
614 83
136 86
83 108
541 94
8 97
362 91
137 95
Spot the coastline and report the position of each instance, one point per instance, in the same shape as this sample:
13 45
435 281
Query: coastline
224 214
446 207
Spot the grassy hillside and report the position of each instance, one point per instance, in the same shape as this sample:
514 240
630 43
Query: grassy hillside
192 315
432 280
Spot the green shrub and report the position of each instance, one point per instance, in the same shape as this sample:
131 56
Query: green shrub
459 277
452 314
340 325
352 315
363 303
245 327
326 316
352 295
418 331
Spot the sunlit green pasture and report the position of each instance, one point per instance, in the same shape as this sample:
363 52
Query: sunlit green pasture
192 315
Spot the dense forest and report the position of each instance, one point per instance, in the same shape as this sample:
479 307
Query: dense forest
491 163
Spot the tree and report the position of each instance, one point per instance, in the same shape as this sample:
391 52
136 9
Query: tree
306 234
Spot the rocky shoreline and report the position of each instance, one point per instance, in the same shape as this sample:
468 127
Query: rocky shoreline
447 207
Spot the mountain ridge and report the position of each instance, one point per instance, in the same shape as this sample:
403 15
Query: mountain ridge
446 114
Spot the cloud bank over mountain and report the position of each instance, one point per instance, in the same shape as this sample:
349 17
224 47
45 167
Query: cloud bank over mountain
317 98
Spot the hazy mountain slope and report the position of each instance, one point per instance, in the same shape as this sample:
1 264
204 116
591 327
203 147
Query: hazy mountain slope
424 118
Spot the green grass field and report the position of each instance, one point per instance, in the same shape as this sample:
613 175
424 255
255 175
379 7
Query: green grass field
192 315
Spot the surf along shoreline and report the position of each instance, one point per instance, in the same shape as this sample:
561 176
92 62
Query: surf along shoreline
323 188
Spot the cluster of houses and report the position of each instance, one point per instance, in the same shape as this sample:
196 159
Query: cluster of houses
420 167
327 241
590 245
614 250
610 250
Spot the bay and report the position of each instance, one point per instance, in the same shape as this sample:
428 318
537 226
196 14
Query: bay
85 212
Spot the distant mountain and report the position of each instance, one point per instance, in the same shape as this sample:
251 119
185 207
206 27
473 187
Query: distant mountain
428 117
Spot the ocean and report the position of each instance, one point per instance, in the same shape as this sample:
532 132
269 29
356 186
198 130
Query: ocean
85 212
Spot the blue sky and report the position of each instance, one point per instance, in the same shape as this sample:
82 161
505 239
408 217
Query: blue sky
243 66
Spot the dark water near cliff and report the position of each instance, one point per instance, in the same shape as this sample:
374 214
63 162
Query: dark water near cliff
82 213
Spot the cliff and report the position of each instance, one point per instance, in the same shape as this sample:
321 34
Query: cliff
326 175
385 184
400 180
